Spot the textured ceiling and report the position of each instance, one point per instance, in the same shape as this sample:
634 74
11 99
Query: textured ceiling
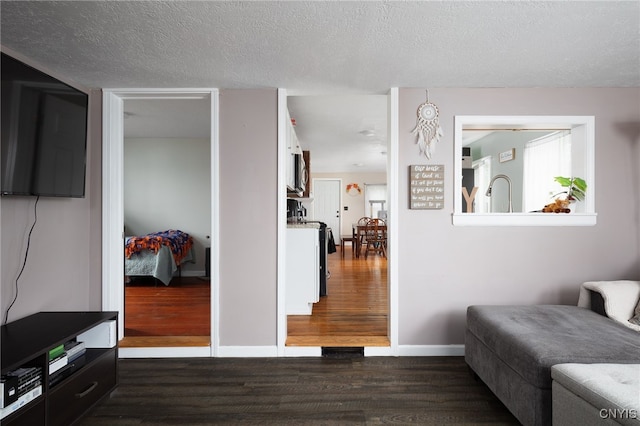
318 47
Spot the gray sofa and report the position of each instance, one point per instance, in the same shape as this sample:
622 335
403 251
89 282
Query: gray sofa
596 394
512 350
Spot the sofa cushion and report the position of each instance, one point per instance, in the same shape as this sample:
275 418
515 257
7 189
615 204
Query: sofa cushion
614 388
530 339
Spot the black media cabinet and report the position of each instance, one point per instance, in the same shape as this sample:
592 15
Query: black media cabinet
67 394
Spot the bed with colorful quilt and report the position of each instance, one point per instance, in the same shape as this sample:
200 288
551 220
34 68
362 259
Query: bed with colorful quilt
160 254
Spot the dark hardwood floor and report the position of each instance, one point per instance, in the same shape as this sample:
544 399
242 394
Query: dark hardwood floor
339 390
299 391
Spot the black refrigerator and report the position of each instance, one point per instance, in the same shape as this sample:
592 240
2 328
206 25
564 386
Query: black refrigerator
324 249
324 270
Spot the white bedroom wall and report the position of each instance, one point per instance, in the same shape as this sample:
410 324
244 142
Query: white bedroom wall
168 186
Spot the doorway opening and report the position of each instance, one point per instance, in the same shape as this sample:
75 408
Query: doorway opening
167 196
160 194
347 139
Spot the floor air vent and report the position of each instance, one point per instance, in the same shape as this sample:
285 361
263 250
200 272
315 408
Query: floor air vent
343 352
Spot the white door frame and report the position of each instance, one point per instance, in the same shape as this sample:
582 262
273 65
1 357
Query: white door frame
392 250
113 211
315 217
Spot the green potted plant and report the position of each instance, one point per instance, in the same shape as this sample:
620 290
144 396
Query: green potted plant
576 188
576 191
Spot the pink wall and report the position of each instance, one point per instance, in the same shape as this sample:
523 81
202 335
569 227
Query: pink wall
94 187
248 217
443 269
63 270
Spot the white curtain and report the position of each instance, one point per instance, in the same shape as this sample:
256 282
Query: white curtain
375 200
544 159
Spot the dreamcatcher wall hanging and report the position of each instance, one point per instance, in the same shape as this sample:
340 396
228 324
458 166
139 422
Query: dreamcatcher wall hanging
427 128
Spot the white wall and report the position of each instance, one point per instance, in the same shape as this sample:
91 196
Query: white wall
167 185
355 203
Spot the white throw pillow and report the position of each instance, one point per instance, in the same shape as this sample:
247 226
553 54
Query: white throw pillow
620 299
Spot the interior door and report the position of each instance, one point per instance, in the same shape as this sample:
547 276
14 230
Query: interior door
326 204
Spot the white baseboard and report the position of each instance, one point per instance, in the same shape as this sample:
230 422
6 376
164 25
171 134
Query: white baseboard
316 351
300 351
431 350
165 352
289 351
378 351
247 351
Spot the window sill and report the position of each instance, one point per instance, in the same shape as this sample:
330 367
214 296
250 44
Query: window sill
524 219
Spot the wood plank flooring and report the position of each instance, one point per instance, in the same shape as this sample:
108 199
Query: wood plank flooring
355 311
174 315
165 341
299 391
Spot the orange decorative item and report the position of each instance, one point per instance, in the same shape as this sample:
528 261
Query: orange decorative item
558 206
353 189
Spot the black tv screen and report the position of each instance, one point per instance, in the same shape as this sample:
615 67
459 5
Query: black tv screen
44 133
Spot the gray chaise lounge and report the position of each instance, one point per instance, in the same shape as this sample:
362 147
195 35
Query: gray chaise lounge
596 394
512 349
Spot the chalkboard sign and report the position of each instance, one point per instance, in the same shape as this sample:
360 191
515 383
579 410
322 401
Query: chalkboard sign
426 186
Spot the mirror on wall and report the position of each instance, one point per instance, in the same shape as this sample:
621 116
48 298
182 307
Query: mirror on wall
506 169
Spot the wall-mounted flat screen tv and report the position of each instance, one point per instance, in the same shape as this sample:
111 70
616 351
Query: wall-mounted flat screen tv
44 133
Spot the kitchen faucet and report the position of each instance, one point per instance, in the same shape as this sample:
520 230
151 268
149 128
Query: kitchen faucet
505 177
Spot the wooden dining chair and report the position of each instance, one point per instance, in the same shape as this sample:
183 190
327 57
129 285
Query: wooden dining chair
348 239
359 234
376 237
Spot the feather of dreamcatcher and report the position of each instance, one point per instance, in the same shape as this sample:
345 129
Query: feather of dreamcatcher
427 130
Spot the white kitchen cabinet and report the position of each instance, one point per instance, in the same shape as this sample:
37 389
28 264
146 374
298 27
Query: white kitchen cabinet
303 266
